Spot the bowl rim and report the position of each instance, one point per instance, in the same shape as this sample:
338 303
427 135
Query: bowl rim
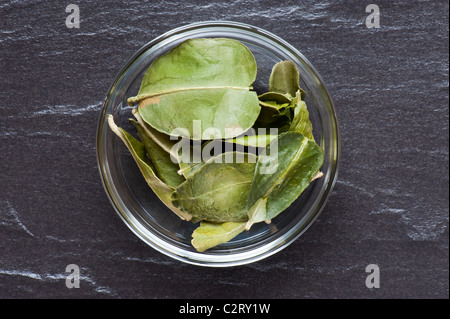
269 248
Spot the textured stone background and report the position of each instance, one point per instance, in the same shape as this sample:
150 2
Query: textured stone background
390 205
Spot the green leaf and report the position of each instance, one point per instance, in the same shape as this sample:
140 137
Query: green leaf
137 150
175 148
274 100
253 140
257 213
163 140
193 155
218 190
165 168
276 111
285 78
301 123
283 172
211 234
271 117
187 169
207 80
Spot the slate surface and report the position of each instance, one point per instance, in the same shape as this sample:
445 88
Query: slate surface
390 206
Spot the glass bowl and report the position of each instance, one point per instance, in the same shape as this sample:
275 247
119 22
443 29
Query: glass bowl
148 217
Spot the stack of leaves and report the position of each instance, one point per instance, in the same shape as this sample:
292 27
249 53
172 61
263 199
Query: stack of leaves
208 81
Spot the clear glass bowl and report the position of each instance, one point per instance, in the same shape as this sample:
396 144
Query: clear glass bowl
148 217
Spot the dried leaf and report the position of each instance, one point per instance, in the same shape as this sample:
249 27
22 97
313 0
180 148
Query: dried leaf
165 168
218 190
210 234
282 173
137 150
301 123
206 80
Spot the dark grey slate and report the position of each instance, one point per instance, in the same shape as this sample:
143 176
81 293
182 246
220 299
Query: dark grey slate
390 206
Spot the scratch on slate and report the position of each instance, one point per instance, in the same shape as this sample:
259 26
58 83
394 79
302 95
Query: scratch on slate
12 218
58 277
